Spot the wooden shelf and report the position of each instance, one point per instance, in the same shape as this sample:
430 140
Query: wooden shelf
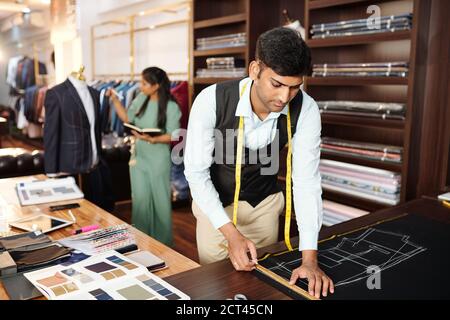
352 201
344 198
219 52
355 81
357 121
396 167
211 80
236 18
359 39
320 4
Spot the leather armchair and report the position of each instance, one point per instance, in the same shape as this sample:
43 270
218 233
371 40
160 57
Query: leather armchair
20 163
15 162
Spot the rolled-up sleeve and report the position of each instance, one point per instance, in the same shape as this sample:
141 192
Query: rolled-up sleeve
307 189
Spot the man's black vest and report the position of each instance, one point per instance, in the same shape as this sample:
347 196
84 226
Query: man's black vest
255 187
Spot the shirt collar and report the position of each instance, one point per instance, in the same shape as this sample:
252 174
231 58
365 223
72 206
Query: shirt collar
77 83
244 108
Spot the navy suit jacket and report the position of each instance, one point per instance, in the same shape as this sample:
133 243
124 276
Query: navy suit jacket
67 132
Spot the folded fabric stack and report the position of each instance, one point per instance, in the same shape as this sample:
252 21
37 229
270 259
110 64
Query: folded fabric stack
29 251
362 26
225 63
335 213
371 151
226 41
395 111
377 185
376 69
226 67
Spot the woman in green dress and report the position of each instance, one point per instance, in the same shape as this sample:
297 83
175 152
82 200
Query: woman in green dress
150 162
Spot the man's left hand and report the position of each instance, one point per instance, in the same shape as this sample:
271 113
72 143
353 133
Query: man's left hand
317 279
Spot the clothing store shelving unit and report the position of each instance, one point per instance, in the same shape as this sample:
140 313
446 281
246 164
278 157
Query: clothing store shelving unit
382 47
222 17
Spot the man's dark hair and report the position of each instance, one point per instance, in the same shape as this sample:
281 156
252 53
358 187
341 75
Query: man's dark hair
285 52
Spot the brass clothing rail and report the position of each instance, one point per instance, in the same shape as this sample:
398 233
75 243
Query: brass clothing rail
129 75
130 20
152 27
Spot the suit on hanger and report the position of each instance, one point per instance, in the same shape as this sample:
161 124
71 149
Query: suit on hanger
68 142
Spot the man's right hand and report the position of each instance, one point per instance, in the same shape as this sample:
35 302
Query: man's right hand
238 248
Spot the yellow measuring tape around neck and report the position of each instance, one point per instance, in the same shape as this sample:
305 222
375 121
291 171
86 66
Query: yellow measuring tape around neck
240 150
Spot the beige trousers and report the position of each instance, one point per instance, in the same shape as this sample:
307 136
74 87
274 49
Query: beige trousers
259 225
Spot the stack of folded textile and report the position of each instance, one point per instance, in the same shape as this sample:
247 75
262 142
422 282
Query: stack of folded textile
377 185
226 41
362 26
371 151
376 69
394 111
226 67
335 213
29 251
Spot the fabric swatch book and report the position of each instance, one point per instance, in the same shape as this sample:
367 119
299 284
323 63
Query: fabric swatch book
152 132
48 191
103 240
108 276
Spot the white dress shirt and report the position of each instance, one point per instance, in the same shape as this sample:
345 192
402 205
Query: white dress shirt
307 189
12 71
88 104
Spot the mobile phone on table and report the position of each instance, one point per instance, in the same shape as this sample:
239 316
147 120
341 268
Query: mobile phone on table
64 207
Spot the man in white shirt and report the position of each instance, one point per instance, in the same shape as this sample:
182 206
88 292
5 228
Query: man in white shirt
276 77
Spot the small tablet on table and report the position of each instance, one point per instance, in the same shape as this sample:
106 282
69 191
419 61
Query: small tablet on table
43 223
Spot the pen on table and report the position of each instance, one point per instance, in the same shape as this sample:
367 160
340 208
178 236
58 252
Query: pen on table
86 229
446 204
72 216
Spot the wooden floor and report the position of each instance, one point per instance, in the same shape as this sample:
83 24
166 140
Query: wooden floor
9 142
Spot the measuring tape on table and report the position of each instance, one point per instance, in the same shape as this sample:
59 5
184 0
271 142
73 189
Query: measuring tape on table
240 149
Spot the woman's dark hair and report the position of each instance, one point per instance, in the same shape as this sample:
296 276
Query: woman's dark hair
154 75
285 52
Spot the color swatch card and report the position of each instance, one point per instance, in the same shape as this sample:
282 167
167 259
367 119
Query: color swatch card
48 191
99 241
108 276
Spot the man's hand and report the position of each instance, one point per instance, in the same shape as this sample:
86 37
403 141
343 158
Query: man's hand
238 248
318 281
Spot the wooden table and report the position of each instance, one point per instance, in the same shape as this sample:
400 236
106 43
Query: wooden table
219 281
89 214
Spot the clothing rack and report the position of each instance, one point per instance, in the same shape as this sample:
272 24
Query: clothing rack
173 76
127 91
35 50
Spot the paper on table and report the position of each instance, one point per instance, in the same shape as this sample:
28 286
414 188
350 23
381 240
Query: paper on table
108 276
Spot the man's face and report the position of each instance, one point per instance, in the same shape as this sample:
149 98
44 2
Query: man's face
273 90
